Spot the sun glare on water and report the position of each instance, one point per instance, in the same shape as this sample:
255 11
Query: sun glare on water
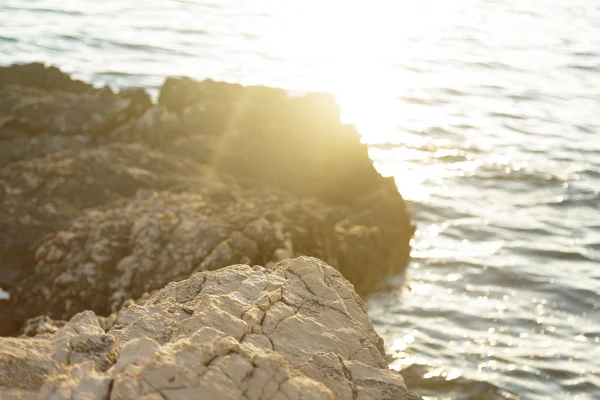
358 50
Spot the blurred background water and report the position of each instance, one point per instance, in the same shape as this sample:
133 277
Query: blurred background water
487 112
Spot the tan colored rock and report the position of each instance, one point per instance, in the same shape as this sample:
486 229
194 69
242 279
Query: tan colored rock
298 331
41 325
156 127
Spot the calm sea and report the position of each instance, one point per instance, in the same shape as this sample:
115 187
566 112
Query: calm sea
487 112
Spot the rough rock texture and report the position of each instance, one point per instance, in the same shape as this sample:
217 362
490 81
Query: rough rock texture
296 331
137 245
105 196
35 122
41 196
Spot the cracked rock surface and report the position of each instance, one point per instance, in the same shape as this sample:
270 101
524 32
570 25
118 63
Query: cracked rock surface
294 331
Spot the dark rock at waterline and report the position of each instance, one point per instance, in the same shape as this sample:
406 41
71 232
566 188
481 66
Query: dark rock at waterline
105 196
41 76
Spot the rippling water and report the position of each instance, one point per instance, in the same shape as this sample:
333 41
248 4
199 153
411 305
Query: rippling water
486 112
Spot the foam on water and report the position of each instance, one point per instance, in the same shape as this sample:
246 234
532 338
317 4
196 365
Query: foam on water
486 112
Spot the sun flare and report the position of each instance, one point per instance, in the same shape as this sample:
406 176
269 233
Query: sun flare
358 51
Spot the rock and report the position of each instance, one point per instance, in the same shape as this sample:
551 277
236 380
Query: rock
297 331
139 245
41 76
197 148
43 195
23 225
138 95
179 93
156 127
35 122
262 135
91 113
42 325
104 196
91 177
108 256
16 146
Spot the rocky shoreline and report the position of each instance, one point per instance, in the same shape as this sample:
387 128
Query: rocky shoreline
146 225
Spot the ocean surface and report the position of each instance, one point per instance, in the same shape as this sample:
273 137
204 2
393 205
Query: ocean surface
487 112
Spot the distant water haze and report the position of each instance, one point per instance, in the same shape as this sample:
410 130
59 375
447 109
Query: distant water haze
487 113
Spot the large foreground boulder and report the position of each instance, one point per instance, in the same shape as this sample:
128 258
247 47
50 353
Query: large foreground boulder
296 331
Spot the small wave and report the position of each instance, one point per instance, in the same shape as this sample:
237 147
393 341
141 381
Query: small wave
532 231
426 381
584 128
412 100
585 54
572 298
58 11
438 131
451 91
590 172
592 246
490 65
145 48
593 68
497 176
578 201
71 38
504 115
412 69
521 97
464 126
8 39
192 31
116 74
452 158
565 254
516 129
586 386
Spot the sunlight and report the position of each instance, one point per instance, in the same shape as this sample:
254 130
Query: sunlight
358 51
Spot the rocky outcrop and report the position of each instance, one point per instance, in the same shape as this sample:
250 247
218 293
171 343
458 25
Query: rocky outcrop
42 196
294 331
35 122
41 76
257 129
105 196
